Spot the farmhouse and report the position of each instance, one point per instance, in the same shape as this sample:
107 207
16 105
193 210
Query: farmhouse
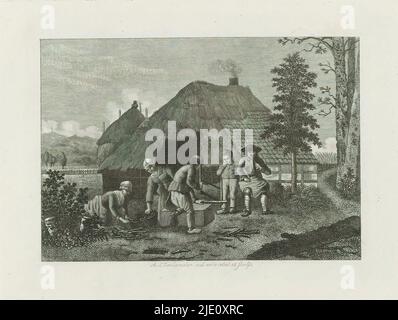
202 105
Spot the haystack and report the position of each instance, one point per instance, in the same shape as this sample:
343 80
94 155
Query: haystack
118 132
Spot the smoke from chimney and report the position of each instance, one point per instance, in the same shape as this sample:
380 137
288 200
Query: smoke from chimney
226 66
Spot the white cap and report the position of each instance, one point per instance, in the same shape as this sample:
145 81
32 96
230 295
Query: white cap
126 185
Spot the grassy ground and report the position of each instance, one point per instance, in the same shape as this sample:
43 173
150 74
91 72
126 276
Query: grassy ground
290 233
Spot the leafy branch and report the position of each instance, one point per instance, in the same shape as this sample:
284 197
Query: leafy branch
327 67
315 44
329 100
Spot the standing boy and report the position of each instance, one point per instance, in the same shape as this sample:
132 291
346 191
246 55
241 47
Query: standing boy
229 183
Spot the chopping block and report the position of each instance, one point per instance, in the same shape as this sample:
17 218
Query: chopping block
203 215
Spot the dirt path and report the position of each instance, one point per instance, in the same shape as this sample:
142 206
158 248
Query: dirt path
350 208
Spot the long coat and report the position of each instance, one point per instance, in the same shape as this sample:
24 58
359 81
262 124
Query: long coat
250 171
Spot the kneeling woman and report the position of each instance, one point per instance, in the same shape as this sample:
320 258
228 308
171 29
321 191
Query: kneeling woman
108 207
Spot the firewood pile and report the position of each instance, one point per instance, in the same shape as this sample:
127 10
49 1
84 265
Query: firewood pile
128 234
231 233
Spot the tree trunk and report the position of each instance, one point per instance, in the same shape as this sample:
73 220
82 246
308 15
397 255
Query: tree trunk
294 172
346 59
352 160
341 103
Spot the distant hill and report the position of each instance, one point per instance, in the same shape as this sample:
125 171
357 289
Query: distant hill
80 151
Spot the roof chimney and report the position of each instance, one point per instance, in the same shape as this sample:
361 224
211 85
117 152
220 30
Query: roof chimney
103 126
134 105
140 107
146 113
234 81
120 113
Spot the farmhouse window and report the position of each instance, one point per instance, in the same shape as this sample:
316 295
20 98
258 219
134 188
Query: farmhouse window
274 176
286 168
274 168
309 168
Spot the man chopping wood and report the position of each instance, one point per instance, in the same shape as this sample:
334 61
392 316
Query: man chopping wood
182 193
158 183
108 207
252 183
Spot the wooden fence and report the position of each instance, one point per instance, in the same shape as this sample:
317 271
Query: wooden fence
71 170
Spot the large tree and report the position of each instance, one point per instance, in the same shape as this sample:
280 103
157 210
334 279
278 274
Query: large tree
291 125
345 102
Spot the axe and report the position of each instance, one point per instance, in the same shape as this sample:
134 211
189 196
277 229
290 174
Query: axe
211 201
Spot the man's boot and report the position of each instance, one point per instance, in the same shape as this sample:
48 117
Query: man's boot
232 209
223 209
264 204
247 199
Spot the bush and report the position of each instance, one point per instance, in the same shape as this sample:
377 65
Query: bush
349 185
307 198
64 204
277 193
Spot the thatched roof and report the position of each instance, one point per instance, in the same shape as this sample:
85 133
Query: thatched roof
257 121
326 157
122 128
199 105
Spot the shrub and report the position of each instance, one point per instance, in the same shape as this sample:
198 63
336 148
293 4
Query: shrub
307 198
65 204
277 193
349 185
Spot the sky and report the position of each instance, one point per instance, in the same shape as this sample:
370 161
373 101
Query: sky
86 82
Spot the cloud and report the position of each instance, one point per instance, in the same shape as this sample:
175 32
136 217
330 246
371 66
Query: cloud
328 146
112 110
131 94
70 128
125 69
148 99
48 126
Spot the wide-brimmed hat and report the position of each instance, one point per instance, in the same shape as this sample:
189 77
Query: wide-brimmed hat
251 147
